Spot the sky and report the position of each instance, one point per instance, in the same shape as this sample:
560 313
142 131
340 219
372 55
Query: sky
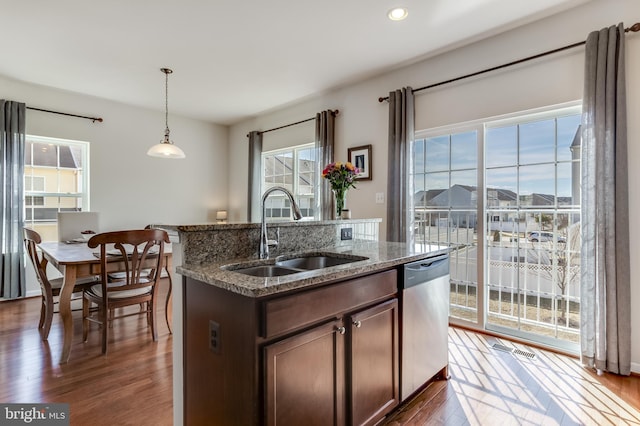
525 158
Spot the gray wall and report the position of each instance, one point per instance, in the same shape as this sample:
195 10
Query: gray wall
552 80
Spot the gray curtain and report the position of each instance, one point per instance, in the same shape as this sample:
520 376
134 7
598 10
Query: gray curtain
401 130
605 323
255 164
12 141
325 134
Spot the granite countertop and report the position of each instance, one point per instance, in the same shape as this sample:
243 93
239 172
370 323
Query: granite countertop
218 226
381 255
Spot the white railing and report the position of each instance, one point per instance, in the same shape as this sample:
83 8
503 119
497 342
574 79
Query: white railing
534 288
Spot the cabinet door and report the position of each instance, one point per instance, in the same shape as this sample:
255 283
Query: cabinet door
304 378
373 362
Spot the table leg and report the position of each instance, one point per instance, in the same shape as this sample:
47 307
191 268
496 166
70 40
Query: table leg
66 291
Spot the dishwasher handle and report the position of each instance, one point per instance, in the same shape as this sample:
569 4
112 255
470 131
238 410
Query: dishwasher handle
426 270
425 265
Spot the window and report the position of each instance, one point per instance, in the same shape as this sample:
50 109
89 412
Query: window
34 183
55 180
31 201
507 192
446 206
295 169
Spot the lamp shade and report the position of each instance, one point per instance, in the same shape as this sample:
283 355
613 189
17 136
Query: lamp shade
165 150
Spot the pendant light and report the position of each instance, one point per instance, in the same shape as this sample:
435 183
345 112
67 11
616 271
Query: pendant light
166 148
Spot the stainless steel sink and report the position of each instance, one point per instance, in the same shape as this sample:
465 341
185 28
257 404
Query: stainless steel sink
317 261
292 264
266 271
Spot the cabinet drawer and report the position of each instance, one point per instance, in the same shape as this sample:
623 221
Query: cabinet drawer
289 313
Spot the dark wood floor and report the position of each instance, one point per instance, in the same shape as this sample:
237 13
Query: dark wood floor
132 385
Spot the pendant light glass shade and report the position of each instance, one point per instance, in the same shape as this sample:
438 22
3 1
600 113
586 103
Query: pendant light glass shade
166 148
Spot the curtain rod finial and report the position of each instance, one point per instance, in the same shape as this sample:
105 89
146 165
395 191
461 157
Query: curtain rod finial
635 27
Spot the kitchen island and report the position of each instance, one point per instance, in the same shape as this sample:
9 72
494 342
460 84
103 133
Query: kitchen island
380 256
313 347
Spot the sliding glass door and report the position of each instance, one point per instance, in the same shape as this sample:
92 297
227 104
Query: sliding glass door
532 207
446 209
506 195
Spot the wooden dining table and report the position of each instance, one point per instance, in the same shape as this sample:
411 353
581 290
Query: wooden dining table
76 261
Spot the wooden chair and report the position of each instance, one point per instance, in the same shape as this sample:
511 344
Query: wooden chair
119 276
138 251
50 287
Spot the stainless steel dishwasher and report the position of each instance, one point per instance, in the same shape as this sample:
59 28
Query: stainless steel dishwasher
425 322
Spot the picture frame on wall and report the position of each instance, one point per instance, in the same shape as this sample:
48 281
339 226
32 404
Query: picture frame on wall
360 156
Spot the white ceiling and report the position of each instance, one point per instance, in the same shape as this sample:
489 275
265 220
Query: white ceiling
233 59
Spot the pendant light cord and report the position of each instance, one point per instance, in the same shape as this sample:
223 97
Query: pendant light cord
166 72
166 102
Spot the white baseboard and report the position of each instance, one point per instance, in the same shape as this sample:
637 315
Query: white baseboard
30 293
34 293
635 367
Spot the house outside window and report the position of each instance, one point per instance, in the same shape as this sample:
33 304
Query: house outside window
294 168
492 187
55 180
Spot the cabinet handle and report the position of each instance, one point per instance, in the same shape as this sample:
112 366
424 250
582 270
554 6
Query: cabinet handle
357 324
341 330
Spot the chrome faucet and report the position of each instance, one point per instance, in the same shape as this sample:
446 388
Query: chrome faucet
264 241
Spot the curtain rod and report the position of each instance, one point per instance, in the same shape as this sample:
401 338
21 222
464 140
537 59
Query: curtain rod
94 119
634 28
334 113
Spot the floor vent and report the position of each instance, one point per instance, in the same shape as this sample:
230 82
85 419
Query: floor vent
529 355
514 351
503 348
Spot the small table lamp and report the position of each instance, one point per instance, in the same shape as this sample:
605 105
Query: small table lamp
221 216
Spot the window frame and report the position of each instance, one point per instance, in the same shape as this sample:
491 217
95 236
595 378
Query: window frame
82 195
314 197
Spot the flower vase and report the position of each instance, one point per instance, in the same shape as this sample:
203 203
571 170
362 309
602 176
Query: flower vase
340 196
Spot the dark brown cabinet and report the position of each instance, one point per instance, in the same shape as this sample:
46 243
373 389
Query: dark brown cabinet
321 356
310 379
304 378
373 359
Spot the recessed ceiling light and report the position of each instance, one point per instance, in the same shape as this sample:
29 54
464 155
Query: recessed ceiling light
398 13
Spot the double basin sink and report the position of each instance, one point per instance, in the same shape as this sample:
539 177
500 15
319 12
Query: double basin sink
292 264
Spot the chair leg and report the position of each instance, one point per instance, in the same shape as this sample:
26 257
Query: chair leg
43 312
85 322
168 306
47 306
152 316
111 316
106 324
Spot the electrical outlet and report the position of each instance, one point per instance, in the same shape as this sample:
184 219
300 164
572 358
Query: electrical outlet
214 337
346 234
